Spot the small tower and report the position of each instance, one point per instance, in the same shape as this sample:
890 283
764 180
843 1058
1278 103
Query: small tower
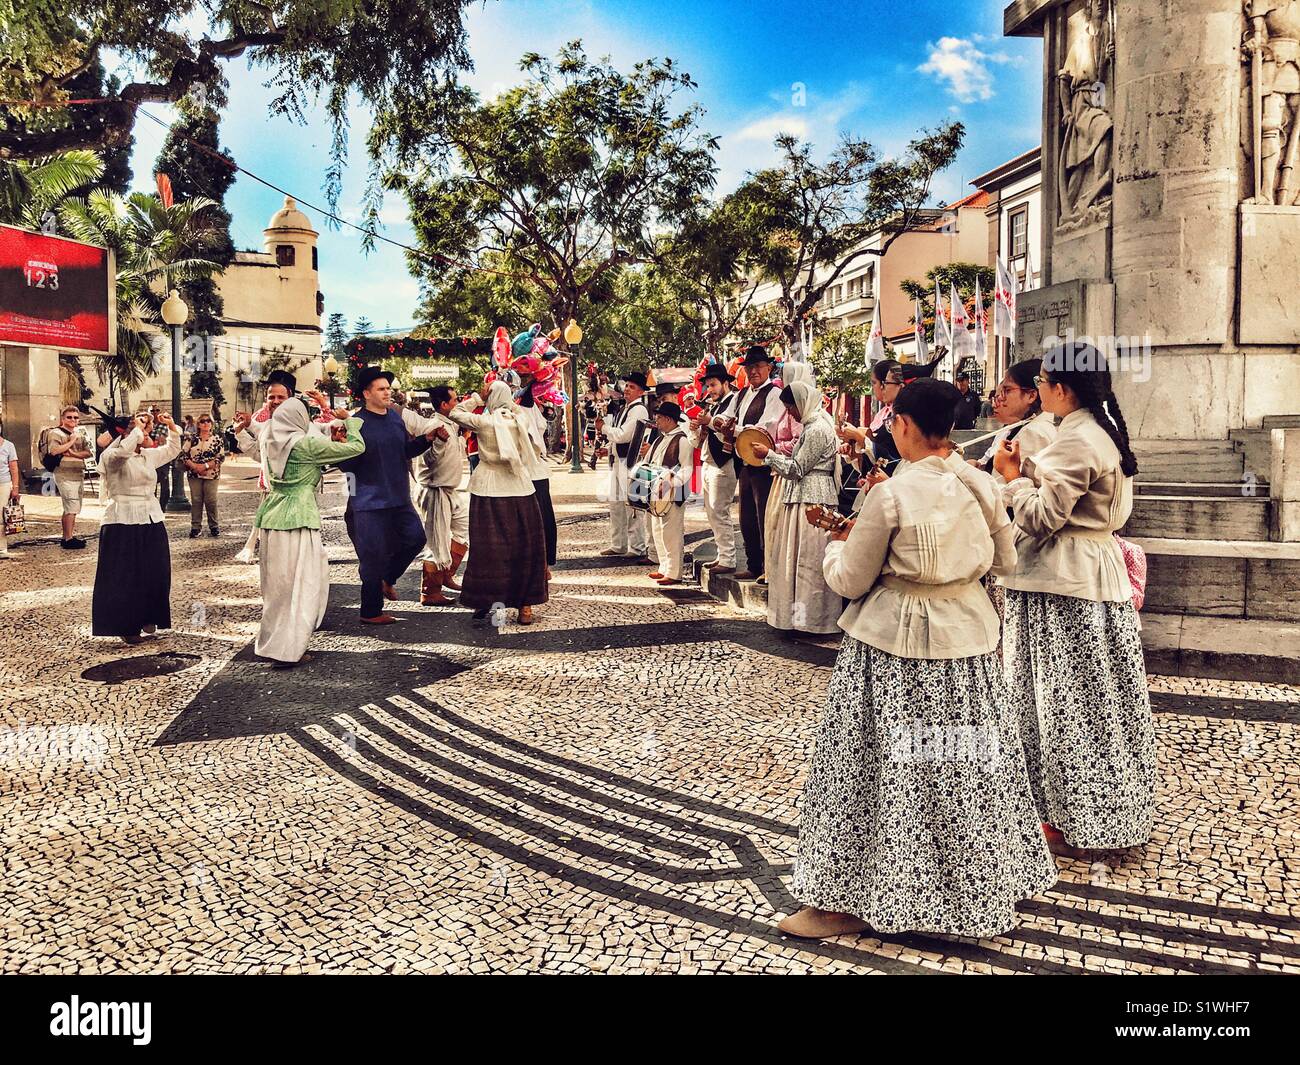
291 242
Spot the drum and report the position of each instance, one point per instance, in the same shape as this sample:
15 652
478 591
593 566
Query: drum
745 441
644 493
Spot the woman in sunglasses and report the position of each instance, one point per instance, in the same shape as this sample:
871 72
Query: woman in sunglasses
1073 656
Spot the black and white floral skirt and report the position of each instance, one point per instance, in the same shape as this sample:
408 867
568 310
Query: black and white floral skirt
1077 681
917 814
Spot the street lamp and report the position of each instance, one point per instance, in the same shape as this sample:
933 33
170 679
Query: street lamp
331 385
175 313
573 337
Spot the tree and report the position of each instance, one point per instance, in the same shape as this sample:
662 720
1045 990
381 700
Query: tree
363 328
197 167
31 189
949 275
157 248
336 334
817 217
839 360
566 178
382 52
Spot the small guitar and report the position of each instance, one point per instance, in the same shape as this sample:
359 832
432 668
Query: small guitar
827 518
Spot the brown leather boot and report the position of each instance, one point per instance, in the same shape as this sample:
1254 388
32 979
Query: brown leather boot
431 586
457 557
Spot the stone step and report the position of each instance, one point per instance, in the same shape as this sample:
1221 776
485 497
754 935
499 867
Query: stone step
1256 449
1226 490
1281 421
1199 517
1254 579
1188 460
1177 645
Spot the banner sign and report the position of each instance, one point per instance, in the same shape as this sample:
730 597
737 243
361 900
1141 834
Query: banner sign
56 293
435 372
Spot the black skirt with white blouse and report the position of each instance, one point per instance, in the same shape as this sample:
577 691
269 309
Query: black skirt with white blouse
133 580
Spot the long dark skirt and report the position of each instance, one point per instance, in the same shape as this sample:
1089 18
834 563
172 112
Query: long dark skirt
548 519
133 580
507 555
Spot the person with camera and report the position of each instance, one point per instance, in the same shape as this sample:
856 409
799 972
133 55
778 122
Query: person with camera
203 455
64 450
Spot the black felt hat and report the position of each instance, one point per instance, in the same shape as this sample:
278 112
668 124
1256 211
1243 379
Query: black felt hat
718 371
636 377
371 374
669 409
757 354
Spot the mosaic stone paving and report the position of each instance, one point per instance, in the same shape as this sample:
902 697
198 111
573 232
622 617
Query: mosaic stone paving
614 789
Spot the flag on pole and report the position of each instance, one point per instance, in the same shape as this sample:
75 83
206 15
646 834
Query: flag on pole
1004 303
981 351
918 333
942 330
962 342
876 339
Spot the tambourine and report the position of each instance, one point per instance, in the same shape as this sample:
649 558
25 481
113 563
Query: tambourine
745 441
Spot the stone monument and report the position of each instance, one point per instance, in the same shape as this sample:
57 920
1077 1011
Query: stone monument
1171 203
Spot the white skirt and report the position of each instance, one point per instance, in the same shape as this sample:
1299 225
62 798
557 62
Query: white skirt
797 594
295 592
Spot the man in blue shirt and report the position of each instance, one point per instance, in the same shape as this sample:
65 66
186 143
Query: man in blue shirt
385 529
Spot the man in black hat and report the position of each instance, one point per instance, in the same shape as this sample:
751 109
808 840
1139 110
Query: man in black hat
718 463
672 451
385 529
625 433
968 407
759 405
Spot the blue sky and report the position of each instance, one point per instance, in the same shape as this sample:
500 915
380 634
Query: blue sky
877 70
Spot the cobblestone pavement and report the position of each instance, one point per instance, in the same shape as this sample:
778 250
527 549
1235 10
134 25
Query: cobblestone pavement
614 789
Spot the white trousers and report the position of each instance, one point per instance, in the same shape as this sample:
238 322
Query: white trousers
445 513
719 494
295 578
626 525
670 541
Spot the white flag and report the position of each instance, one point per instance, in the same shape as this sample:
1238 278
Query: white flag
942 330
876 339
918 333
981 326
963 343
1004 303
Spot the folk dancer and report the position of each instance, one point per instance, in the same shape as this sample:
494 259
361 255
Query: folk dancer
798 596
758 404
294 569
1073 653
719 463
133 574
671 451
442 503
625 431
917 812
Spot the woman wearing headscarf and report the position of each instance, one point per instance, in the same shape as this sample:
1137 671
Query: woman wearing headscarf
133 574
293 566
784 437
798 596
507 556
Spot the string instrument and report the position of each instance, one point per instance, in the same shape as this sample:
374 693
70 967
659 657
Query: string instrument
828 518
961 448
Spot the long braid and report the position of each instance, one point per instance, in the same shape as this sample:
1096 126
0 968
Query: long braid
1083 368
1128 462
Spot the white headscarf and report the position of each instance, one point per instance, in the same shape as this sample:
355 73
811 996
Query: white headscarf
808 402
500 407
289 424
792 372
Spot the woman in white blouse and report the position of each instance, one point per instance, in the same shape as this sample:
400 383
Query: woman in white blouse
1075 669
507 555
133 575
917 813
1016 400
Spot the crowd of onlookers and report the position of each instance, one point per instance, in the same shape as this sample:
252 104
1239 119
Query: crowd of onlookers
67 454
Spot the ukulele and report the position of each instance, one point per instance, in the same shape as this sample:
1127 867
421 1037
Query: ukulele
827 518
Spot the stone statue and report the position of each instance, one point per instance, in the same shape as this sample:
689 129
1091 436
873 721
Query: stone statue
1272 46
1083 173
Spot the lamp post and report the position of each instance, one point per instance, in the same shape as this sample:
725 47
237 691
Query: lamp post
175 314
331 385
573 337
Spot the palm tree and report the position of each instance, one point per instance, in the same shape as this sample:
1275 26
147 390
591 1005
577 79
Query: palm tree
28 190
156 247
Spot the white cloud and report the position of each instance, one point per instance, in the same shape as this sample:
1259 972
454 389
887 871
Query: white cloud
961 64
765 129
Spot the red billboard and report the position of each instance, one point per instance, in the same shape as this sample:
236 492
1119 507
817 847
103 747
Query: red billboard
56 293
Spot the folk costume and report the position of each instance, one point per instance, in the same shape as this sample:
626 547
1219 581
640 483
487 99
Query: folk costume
539 471
133 573
798 596
762 407
672 451
1073 654
625 433
917 813
719 464
293 568
507 566
443 506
